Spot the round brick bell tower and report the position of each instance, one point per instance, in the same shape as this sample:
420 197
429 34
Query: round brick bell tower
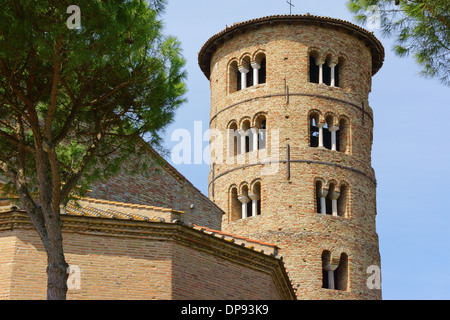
291 139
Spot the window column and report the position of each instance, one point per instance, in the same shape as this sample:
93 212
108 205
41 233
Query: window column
330 268
243 72
333 74
255 138
334 195
333 137
254 197
323 203
244 200
256 66
320 126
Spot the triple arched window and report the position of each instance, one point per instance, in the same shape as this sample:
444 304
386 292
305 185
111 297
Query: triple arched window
245 200
329 131
325 68
249 135
332 198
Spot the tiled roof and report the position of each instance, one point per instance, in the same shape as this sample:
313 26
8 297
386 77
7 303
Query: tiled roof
377 49
72 209
263 247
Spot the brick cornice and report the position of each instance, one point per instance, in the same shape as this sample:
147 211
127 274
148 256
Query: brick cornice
375 46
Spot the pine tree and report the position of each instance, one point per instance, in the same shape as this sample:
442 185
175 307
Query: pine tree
80 88
421 28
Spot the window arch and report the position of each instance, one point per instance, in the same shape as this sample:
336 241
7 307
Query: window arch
343 135
259 66
261 125
314 66
246 77
235 204
246 141
255 196
233 139
234 77
314 129
246 202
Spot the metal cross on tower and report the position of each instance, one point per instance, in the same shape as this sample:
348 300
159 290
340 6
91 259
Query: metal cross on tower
290 6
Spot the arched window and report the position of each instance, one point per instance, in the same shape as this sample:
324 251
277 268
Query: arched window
235 205
259 69
321 197
343 135
246 77
314 130
342 201
327 71
233 140
246 207
246 137
341 273
261 125
313 68
327 278
255 196
234 77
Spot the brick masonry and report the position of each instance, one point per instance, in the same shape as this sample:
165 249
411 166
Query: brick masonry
120 259
289 215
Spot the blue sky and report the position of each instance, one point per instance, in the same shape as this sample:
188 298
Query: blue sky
411 151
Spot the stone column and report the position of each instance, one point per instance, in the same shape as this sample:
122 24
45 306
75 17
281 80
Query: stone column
244 200
320 126
254 197
243 72
256 66
321 73
334 195
242 135
333 74
323 203
333 137
254 138
330 268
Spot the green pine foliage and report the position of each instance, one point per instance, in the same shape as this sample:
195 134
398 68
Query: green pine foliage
120 79
75 103
421 28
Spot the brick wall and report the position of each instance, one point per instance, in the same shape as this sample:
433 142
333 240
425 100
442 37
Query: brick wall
120 259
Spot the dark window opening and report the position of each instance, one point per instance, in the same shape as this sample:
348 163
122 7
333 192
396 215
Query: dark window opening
262 71
313 70
326 74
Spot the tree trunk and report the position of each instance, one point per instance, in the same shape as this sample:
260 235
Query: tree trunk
57 266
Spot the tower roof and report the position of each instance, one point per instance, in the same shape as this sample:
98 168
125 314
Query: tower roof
377 49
